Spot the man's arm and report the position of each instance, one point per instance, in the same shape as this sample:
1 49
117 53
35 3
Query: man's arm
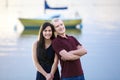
67 56
73 54
80 51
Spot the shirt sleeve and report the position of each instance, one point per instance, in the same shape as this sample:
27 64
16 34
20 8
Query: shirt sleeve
76 41
56 46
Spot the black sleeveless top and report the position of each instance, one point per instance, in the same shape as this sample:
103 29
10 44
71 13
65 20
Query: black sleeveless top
47 58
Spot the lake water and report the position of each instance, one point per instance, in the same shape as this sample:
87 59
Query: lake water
100 36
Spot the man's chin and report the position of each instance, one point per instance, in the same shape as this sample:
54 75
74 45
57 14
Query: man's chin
62 33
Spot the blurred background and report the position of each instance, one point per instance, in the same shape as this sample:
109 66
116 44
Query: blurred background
100 35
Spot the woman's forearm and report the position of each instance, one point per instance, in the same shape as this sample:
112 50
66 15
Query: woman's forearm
55 65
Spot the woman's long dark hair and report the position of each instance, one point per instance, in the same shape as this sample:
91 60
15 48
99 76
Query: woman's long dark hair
41 40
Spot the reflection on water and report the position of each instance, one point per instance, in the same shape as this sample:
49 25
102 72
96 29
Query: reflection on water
35 32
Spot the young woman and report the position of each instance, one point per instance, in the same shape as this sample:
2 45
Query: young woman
44 57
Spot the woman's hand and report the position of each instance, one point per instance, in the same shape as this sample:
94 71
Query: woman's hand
49 76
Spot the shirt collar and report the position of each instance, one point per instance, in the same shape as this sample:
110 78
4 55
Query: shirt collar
62 37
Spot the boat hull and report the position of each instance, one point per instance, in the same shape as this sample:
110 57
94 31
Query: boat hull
34 24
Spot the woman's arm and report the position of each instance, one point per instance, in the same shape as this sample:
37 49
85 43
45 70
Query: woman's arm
35 60
55 65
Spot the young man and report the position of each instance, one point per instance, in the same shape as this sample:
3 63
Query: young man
69 51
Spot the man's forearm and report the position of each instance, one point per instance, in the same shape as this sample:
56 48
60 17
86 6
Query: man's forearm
68 56
80 51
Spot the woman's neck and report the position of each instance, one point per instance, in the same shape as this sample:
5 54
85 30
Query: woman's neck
47 43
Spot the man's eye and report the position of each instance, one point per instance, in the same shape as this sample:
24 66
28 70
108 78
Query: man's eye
61 24
57 26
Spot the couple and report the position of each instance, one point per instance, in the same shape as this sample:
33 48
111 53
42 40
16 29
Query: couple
47 50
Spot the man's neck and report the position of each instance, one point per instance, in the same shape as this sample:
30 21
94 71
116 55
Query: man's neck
63 35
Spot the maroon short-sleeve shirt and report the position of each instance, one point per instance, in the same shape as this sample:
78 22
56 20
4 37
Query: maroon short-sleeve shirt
68 68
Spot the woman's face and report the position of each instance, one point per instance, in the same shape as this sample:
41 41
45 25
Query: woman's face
47 32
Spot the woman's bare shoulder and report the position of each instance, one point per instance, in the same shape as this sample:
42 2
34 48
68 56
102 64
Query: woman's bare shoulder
35 43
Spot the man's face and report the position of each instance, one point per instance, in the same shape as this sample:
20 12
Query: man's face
59 27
